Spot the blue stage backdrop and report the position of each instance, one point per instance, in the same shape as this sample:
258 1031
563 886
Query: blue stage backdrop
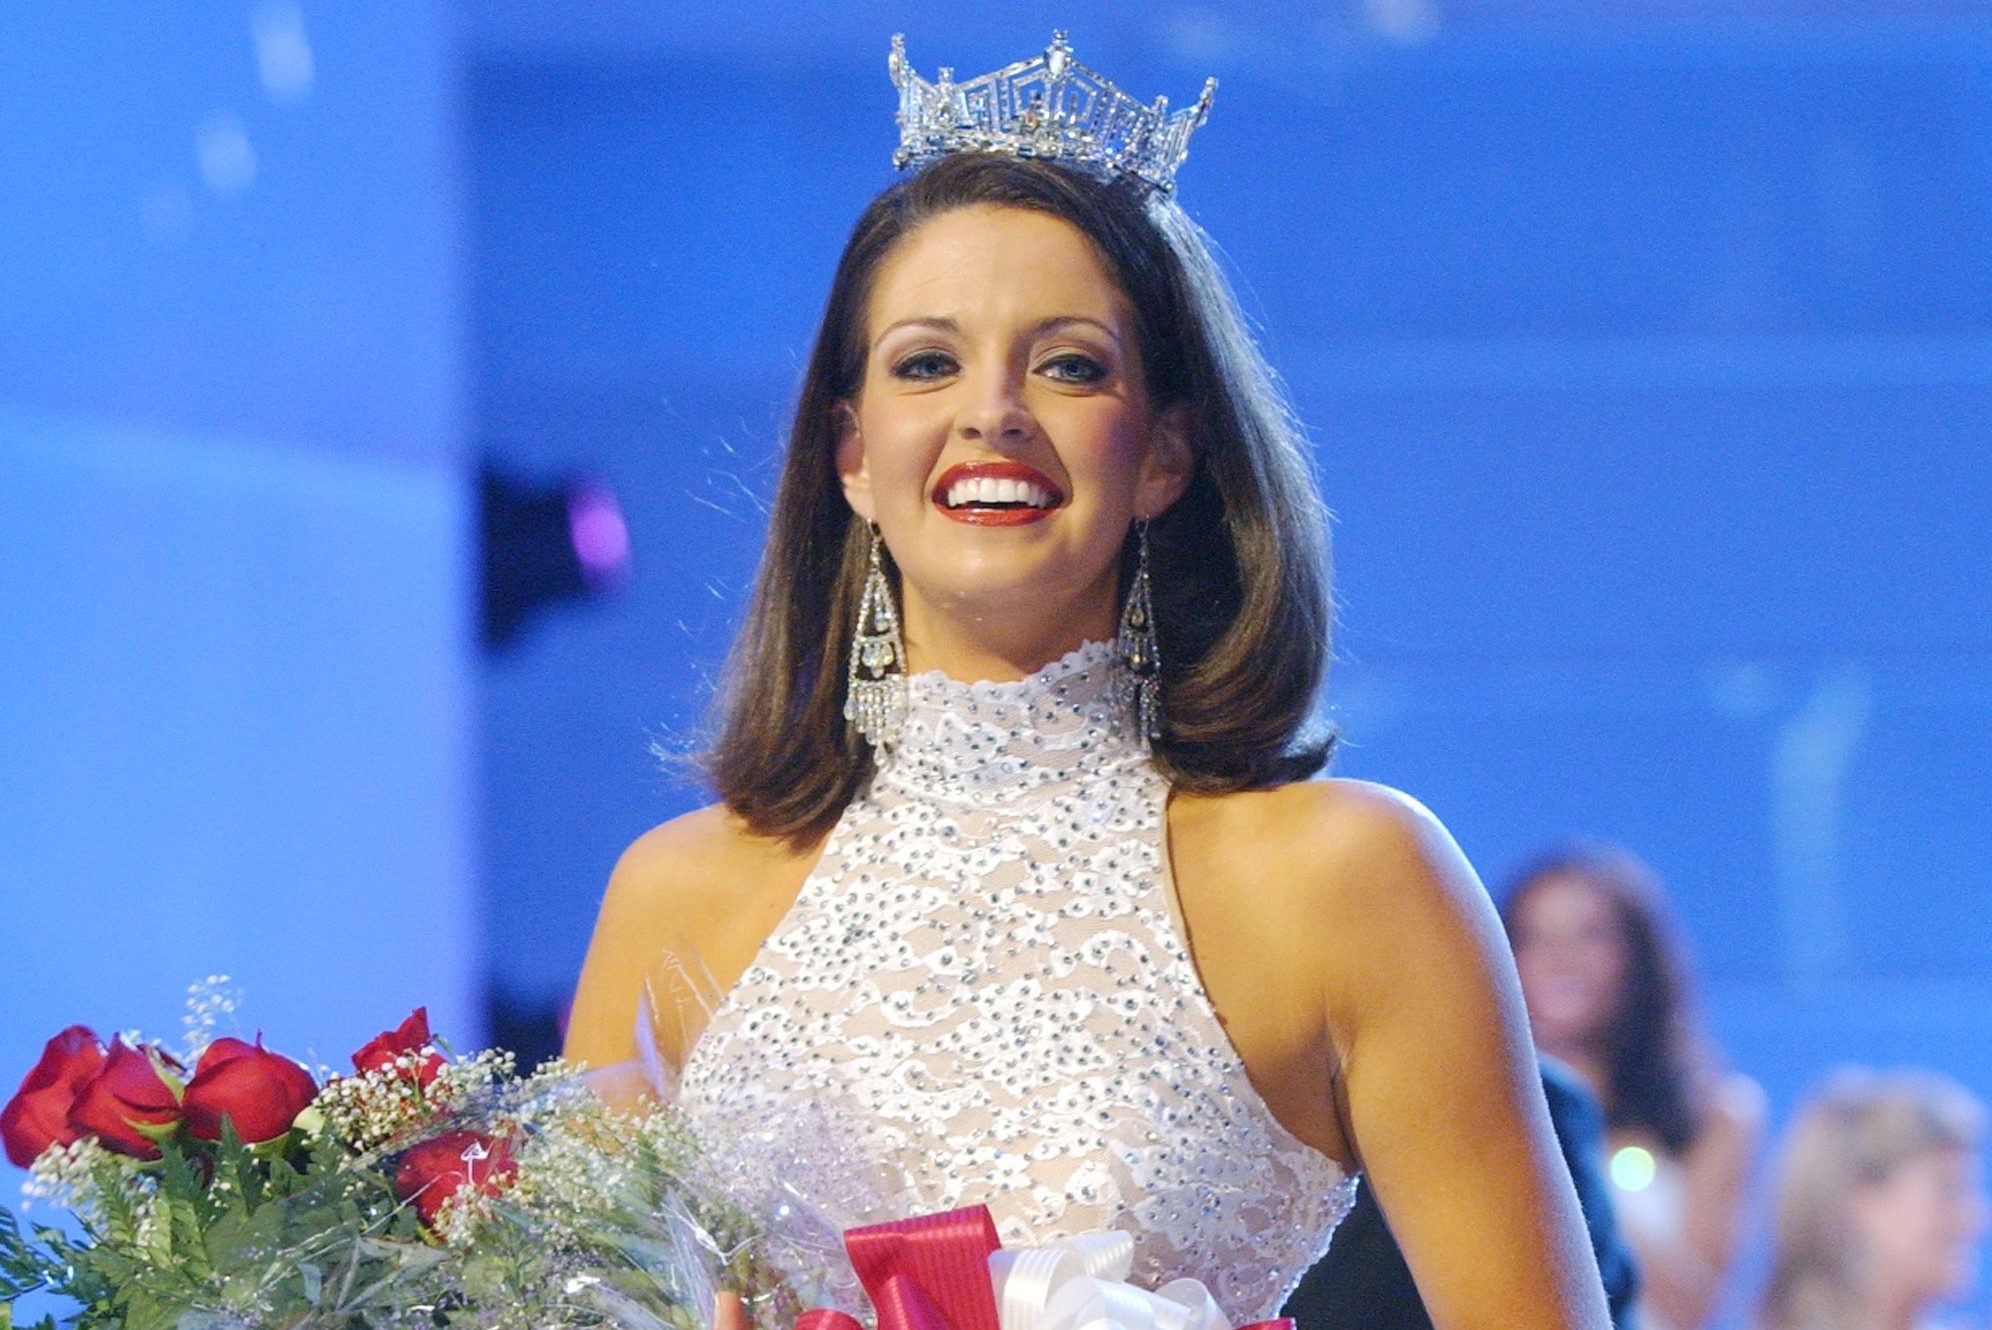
235 595
1649 355
1647 347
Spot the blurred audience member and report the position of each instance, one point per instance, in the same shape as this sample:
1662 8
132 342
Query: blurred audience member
1879 1206
1607 993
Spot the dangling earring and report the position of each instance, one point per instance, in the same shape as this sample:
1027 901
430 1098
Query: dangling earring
875 699
1137 654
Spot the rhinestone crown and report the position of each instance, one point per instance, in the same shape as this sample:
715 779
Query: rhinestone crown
1050 107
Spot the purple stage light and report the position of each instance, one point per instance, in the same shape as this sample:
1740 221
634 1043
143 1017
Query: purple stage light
544 543
601 537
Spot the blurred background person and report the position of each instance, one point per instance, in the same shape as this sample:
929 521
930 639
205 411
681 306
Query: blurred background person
1879 1205
1607 992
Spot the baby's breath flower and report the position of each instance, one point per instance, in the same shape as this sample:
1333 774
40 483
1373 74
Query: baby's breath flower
457 1082
371 1108
66 1175
463 1214
208 1001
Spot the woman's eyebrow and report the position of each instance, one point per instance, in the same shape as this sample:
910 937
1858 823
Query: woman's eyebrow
1055 323
1058 322
933 321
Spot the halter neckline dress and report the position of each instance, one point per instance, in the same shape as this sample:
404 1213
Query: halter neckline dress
983 988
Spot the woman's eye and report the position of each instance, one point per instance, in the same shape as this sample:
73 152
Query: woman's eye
924 365
1074 368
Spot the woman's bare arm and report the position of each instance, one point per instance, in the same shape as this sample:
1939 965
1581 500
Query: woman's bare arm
1682 1273
1437 1073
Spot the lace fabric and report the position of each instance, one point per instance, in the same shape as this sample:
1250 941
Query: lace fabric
983 986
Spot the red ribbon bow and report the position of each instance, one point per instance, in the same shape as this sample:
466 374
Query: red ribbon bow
926 1273
932 1273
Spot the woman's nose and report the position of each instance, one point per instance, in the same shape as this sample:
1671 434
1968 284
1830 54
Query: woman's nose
994 413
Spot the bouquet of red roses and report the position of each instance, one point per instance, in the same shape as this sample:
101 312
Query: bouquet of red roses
229 1186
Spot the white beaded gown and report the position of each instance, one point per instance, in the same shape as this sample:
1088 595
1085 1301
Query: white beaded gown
984 986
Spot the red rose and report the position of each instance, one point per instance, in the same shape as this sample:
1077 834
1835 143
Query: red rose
259 1091
440 1167
411 1037
38 1114
126 1095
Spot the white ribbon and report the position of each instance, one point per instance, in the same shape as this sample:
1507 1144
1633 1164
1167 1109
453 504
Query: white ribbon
1080 1283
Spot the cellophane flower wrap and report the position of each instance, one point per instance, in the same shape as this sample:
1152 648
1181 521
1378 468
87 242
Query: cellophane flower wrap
225 1185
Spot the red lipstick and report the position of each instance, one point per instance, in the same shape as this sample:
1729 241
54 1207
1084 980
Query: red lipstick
996 493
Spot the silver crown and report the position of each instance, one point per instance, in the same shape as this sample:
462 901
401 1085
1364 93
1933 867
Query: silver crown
1050 107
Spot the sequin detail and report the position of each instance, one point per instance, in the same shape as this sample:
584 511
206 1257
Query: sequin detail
983 983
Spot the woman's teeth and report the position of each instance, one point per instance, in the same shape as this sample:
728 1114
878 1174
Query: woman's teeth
980 491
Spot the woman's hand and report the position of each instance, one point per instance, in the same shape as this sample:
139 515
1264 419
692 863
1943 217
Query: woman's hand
729 1312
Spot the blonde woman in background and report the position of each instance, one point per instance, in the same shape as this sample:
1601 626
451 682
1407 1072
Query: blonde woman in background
1879 1205
1607 993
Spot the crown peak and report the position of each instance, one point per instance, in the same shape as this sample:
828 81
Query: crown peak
1058 56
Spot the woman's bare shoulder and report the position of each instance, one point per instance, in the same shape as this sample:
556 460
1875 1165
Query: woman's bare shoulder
1341 886
1733 1122
1337 845
701 860
1739 1101
694 896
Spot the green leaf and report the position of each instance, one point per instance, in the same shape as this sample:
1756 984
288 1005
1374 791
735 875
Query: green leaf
176 1176
181 1249
23 1268
239 1164
225 1238
285 1177
120 1208
112 1263
145 1310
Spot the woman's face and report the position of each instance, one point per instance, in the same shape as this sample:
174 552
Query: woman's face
1571 954
1918 1227
1003 439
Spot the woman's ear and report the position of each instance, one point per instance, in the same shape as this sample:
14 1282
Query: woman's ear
1171 461
852 471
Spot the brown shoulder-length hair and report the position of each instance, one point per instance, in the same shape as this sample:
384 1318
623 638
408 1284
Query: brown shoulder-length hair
1659 1073
1239 563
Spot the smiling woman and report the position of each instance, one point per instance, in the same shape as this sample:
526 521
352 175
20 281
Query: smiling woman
1016 885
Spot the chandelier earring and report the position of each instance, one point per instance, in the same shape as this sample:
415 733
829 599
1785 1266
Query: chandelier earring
875 699
1137 655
